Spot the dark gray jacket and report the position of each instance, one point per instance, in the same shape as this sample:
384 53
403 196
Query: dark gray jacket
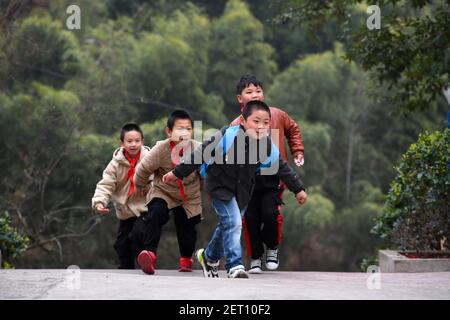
227 180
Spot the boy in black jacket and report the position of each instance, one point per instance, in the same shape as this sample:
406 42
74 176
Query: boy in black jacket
230 181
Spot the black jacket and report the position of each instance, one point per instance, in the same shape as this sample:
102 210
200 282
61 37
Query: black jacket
230 179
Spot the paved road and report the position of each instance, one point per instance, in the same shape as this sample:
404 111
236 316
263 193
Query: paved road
170 284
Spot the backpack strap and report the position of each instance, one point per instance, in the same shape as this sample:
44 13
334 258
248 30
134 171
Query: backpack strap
272 158
226 141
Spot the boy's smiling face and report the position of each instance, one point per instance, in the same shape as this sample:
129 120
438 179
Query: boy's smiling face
257 124
182 130
132 142
250 93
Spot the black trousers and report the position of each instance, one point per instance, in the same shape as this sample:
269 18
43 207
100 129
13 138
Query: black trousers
147 230
263 221
123 244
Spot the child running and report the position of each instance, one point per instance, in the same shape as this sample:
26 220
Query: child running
230 181
117 186
183 199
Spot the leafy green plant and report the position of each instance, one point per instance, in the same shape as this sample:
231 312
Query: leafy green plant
12 243
417 214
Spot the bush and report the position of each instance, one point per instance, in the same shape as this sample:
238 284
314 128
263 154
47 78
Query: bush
12 243
417 214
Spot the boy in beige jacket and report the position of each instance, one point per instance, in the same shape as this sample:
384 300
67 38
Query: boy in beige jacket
182 198
117 186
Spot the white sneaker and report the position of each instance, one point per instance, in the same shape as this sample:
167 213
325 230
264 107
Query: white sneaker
255 266
237 272
272 261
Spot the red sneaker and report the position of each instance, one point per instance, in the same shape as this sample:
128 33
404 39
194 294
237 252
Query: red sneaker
147 261
185 264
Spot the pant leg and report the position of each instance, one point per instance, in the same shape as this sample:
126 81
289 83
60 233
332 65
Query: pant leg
229 230
271 217
214 251
123 244
186 232
252 226
148 228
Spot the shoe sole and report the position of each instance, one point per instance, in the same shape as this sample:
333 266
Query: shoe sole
145 261
241 275
201 261
255 271
184 270
271 267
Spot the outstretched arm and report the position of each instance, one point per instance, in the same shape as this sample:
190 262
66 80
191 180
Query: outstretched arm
105 187
196 158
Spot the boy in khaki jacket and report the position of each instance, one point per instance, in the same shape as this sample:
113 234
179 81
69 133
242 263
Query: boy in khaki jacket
118 187
182 198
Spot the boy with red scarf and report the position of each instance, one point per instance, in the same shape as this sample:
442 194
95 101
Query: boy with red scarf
183 198
117 186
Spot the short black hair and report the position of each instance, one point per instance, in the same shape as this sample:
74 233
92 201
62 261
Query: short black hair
178 114
245 81
254 105
131 126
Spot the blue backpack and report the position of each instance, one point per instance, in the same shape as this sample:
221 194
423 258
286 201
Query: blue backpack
227 141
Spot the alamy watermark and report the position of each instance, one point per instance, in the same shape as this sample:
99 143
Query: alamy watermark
73 22
242 152
73 277
373 281
374 20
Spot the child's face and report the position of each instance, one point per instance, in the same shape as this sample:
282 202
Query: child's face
132 142
250 93
257 124
182 130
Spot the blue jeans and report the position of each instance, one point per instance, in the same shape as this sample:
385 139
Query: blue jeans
226 239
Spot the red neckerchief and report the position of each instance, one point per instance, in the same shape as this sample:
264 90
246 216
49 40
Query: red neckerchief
133 162
174 163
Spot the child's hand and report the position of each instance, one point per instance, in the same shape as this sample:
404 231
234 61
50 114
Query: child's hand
101 209
301 197
169 177
299 160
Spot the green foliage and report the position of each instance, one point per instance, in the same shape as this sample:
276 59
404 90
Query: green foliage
416 214
318 211
169 65
238 47
409 53
317 139
43 51
12 243
154 131
65 95
315 87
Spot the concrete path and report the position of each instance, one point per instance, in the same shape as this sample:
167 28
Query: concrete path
170 285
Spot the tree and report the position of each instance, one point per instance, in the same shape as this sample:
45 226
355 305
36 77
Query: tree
43 186
324 88
416 214
300 224
409 53
12 243
318 140
238 47
168 68
102 83
41 50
